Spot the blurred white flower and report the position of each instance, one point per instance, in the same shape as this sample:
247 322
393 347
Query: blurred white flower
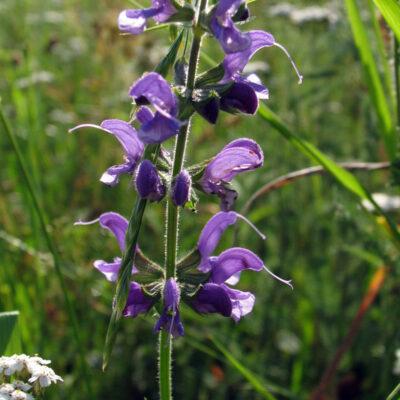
44 376
21 385
4 396
384 201
396 366
6 388
20 395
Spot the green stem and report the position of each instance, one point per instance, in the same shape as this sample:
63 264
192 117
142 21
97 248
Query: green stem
173 212
397 77
51 246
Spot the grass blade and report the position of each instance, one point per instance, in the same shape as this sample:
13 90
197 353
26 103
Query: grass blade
10 340
395 392
345 178
50 244
386 123
390 10
242 369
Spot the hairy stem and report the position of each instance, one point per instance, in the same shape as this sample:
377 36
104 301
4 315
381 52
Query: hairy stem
173 212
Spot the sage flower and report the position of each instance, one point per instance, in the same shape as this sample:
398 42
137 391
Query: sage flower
149 183
234 63
238 156
180 190
169 319
138 302
134 21
128 137
231 39
215 296
153 89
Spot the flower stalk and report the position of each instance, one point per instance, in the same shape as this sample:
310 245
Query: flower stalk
165 347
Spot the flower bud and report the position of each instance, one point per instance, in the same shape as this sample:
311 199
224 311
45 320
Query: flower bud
180 189
149 183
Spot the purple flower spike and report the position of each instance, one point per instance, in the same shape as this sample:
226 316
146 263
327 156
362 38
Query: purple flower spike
231 39
180 190
154 89
137 302
128 137
134 21
149 183
238 156
169 319
118 226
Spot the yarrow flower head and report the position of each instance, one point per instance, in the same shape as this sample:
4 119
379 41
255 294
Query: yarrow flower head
128 137
153 89
238 156
134 21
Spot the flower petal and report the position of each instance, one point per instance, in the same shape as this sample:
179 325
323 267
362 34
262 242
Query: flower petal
126 135
137 302
156 90
231 39
117 224
238 156
149 183
110 177
241 97
232 261
234 63
159 129
134 21
211 234
181 189
212 298
242 302
109 270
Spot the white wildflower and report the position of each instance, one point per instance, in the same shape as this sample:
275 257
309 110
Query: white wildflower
6 388
8 366
44 376
396 366
20 395
4 396
21 385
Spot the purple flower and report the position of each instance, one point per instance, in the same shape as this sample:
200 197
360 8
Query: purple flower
118 226
169 319
215 296
231 39
180 190
238 156
134 21
128 137
138 302
154 89
234 63
149 183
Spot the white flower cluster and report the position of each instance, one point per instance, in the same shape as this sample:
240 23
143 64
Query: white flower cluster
21 366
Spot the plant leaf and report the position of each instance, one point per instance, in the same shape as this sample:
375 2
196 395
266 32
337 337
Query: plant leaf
168 61
10 340
390 10
345 178
386 124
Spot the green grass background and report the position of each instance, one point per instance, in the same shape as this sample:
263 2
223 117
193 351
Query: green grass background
65 62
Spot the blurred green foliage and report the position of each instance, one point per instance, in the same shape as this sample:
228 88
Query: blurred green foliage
63 62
